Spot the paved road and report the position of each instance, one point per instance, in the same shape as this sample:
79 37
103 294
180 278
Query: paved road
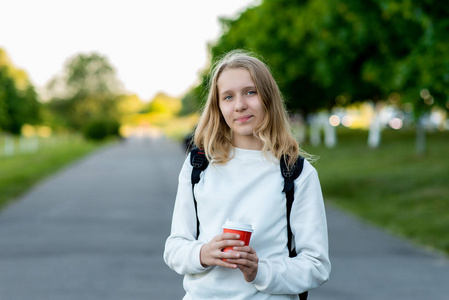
368 264
97 229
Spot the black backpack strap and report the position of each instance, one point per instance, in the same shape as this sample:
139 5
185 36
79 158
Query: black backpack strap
303 296
199 162
290 174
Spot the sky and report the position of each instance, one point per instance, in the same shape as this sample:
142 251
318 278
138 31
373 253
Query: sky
154 45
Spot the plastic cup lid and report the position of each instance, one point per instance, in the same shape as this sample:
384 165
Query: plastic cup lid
238 226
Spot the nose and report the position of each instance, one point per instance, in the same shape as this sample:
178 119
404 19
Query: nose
240 104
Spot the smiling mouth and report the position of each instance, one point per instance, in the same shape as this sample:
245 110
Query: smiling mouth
243 119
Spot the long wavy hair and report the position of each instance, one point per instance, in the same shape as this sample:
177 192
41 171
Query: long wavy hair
213 134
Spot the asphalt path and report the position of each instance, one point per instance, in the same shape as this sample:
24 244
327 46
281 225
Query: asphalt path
96 230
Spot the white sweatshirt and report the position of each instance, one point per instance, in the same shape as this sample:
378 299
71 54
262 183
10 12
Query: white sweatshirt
249 190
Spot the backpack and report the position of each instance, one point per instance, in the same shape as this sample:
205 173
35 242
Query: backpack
199 163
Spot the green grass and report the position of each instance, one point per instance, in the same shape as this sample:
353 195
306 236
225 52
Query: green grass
391 186
20 172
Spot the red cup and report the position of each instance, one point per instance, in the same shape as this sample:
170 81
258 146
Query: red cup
242 229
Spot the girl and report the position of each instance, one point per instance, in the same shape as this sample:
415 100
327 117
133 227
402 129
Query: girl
244 131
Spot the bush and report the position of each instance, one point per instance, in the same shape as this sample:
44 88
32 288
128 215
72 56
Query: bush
99 129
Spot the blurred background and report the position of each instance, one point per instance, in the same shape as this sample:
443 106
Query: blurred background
366 84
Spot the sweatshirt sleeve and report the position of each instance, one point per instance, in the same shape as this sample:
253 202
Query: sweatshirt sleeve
182 249
311 267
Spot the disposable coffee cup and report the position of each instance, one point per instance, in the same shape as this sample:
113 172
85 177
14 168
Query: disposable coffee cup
242 229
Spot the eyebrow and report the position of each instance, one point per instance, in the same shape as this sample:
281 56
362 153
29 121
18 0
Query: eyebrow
249 87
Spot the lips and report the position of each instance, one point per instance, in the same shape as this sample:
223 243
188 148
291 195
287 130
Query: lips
243 118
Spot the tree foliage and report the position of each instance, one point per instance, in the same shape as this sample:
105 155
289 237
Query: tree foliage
87 89
194 99
18 99
326 51
164 104
129 104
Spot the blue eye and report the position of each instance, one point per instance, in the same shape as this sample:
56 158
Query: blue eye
251 93
228 97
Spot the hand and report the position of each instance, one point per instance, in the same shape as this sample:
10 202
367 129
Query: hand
211 254
247 262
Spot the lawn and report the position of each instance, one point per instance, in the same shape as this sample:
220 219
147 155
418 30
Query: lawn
22 170
391 186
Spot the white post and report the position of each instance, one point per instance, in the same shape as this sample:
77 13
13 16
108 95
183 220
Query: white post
375 128
9 146
330 135
299 128
374 132
23 144
421 127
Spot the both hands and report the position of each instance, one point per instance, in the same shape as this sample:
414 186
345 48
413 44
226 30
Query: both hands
242 257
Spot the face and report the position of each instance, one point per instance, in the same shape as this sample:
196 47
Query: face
240 106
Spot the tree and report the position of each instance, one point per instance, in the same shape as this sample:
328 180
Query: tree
316 49
321 49
422 77
196 97
129 104
18 99
87 89
164 104
327 51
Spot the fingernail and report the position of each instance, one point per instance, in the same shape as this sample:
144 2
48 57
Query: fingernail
237 236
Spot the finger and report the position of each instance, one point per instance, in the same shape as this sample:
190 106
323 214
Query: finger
245 266
240 255
229 236
227 265
228 255
224 262
242 261
246 249
225 236
246 269
245 259
230 243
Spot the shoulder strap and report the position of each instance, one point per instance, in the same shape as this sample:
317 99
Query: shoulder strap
199 162
290 174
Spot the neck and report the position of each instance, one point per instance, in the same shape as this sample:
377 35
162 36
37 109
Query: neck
247 142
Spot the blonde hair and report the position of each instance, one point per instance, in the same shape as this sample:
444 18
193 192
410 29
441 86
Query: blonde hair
213 134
